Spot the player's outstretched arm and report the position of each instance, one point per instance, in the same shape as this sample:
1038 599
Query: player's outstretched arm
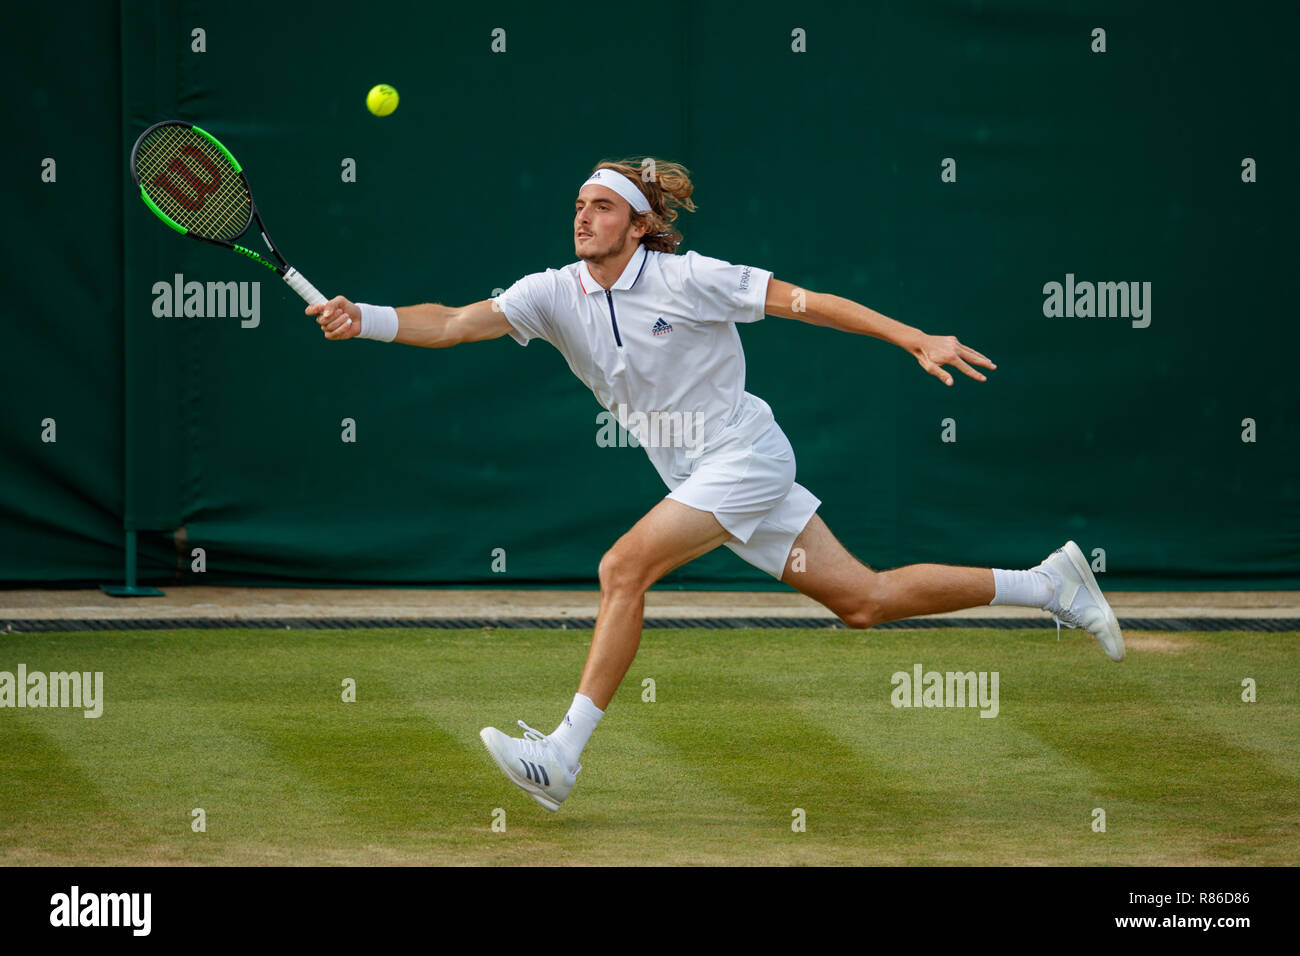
430 325
931 352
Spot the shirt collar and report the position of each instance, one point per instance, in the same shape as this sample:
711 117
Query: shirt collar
625 281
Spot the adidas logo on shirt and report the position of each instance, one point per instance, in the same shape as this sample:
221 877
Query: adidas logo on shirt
660 327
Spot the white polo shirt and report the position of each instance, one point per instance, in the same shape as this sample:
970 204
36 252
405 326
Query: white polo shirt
662 340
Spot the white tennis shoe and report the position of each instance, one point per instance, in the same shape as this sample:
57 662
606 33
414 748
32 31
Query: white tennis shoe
532 764
1078 601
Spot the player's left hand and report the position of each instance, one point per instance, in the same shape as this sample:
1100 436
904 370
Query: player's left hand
935 351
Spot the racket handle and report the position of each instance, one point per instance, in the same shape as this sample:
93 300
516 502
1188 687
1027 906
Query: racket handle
298 283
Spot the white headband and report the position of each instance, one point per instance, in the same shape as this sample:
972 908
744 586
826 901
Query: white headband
616 181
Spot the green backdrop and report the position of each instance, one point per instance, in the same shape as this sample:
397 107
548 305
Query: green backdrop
824 165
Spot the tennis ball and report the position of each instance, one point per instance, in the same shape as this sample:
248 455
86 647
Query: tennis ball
381 100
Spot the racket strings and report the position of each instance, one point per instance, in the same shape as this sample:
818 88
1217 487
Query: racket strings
217 212
178 168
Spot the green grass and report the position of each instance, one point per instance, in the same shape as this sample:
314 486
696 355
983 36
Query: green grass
747 726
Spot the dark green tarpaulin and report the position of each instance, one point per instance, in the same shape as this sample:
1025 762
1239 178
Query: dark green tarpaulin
824 166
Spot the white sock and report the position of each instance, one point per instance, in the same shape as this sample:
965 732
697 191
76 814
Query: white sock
1032 588
576 729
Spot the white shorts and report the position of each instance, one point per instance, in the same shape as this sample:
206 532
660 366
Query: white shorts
751 490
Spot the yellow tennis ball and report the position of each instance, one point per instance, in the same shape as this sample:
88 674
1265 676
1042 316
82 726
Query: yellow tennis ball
381 100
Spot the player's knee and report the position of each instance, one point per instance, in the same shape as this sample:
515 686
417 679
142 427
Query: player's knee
862 610
620 573
860 618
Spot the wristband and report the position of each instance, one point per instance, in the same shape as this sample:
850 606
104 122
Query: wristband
378 322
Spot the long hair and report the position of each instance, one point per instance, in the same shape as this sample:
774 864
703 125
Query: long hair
667 186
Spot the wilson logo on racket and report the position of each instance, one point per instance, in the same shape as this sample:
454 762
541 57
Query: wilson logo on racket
193 183
202 189
243 251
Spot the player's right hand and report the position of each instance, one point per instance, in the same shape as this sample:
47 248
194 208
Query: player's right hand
338 318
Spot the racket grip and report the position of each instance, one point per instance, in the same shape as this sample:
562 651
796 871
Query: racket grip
298 283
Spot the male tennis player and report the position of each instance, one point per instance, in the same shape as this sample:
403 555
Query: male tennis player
653 334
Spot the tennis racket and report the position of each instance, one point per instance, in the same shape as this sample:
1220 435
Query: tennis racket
193 183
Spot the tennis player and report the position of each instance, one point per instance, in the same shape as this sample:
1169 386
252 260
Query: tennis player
653 334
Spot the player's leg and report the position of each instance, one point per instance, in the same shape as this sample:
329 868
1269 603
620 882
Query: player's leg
1063 584
671 534
822 568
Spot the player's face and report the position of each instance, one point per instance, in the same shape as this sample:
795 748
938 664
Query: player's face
602 224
